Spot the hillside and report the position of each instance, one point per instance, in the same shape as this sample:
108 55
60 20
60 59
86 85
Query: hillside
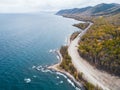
100 9
100 46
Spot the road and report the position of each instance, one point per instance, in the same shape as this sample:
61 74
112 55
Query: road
90 73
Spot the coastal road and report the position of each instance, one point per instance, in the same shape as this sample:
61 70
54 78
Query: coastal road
90 73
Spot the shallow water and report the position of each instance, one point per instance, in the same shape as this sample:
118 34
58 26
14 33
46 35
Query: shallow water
25 41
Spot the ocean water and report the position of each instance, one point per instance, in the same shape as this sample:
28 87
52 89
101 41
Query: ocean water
25 42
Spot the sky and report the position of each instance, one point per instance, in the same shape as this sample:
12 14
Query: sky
21 6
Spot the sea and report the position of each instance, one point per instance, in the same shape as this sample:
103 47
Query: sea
27 47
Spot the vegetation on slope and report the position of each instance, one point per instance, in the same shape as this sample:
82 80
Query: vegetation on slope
101 45
66 62
74 35
98 10
81 25
67 65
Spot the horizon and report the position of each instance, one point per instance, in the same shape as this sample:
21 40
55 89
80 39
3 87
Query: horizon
31 6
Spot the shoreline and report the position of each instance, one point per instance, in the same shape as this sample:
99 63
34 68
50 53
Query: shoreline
100 79
56 68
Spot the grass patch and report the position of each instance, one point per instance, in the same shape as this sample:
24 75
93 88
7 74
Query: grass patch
82 25
74 35
67 65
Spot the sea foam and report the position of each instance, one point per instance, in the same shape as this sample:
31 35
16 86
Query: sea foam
27 80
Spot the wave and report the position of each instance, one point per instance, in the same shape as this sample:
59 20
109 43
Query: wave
61 82
72 83
39 68
34 76
27 80
69 80
52 50
57 77
33 67
42 69
61 74
77 88
58 57
46 70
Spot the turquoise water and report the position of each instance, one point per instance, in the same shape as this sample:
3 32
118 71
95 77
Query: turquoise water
25 41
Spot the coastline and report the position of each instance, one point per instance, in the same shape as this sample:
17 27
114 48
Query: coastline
96 77
91 74
57 69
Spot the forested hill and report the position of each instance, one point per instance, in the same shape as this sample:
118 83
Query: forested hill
100 9
100 46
